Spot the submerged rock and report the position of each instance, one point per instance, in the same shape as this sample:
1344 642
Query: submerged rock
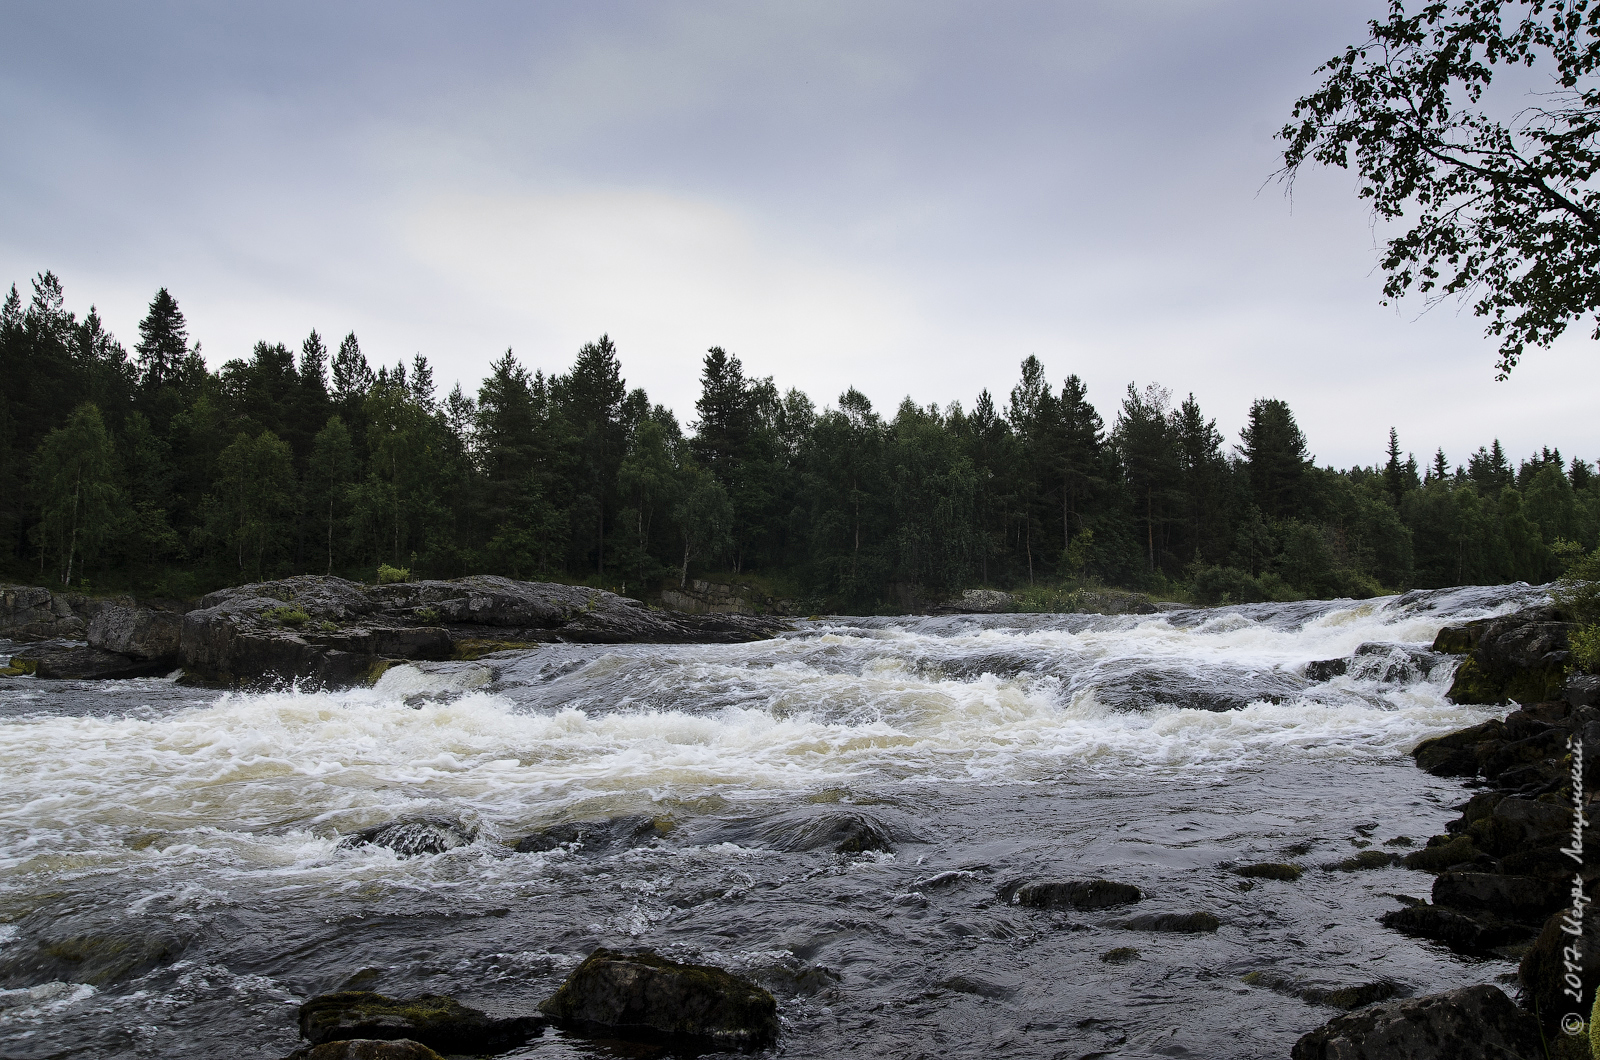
438 1022
366 1049
839 831
1340 997
643 994
1120 955
1070 894
616 833
1473 1023
1178 923
429 835
1271 870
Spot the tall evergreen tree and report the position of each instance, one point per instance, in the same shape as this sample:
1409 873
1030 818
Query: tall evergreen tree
1275 454
163 342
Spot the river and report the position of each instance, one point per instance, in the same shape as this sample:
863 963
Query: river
172 882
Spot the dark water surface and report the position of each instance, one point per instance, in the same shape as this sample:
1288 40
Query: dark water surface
171 883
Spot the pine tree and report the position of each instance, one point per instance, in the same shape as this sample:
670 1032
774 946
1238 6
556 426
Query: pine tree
1394 471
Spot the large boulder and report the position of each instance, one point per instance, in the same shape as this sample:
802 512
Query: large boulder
646 995
1521 656
438 1022
28 612
331 631
1473 1023
137 632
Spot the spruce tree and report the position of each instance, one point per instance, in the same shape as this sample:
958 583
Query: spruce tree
163 342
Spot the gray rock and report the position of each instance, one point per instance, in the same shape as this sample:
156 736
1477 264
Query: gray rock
366 1049
1179 923
1472 934
1071 894
438 1022
410 838
1583 690
1473 1023
81 663
137 632
30 613
1515 897
838 831
594 837
331 631
646 995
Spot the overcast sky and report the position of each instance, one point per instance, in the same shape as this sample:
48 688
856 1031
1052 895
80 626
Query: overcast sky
905 198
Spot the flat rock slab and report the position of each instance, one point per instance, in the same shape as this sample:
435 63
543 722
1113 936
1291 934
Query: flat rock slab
1473 1023
84 663
646 995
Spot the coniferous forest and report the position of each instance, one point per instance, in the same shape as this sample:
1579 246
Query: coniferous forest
145 470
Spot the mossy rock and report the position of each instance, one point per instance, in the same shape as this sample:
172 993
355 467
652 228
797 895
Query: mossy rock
378 668
1453 640
437 1021
646 995
19 668
1120 955
1438 857
473 650
1367 859
1271 870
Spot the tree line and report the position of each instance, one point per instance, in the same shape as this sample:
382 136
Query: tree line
148 470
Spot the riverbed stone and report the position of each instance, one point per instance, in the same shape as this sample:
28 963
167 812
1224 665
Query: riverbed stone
366 1049
1072 894
1472 1023
1178 923
441 1023
595 837
1463 932
408 838
646 995
1270 870
834 830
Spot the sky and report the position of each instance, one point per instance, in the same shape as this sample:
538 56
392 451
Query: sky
907 198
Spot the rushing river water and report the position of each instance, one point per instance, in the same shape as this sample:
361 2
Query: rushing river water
172 883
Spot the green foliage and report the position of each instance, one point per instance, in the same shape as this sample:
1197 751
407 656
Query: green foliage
289 616
1578 590
1585 645
388 575
274 465
1501 204
429 615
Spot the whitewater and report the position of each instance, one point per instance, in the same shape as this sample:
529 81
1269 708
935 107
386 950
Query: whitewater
173 883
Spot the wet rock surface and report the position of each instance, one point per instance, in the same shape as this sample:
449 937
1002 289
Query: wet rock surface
366 1049
1199 923
1473 1023
331 632
1070 894
1520 657
596 837
646 995
438 1022
78 662
410 838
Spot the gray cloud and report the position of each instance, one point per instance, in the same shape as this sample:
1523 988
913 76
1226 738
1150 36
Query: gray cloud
906 198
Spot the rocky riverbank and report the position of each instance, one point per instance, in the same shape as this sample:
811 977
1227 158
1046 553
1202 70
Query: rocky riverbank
1513 873
332 632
